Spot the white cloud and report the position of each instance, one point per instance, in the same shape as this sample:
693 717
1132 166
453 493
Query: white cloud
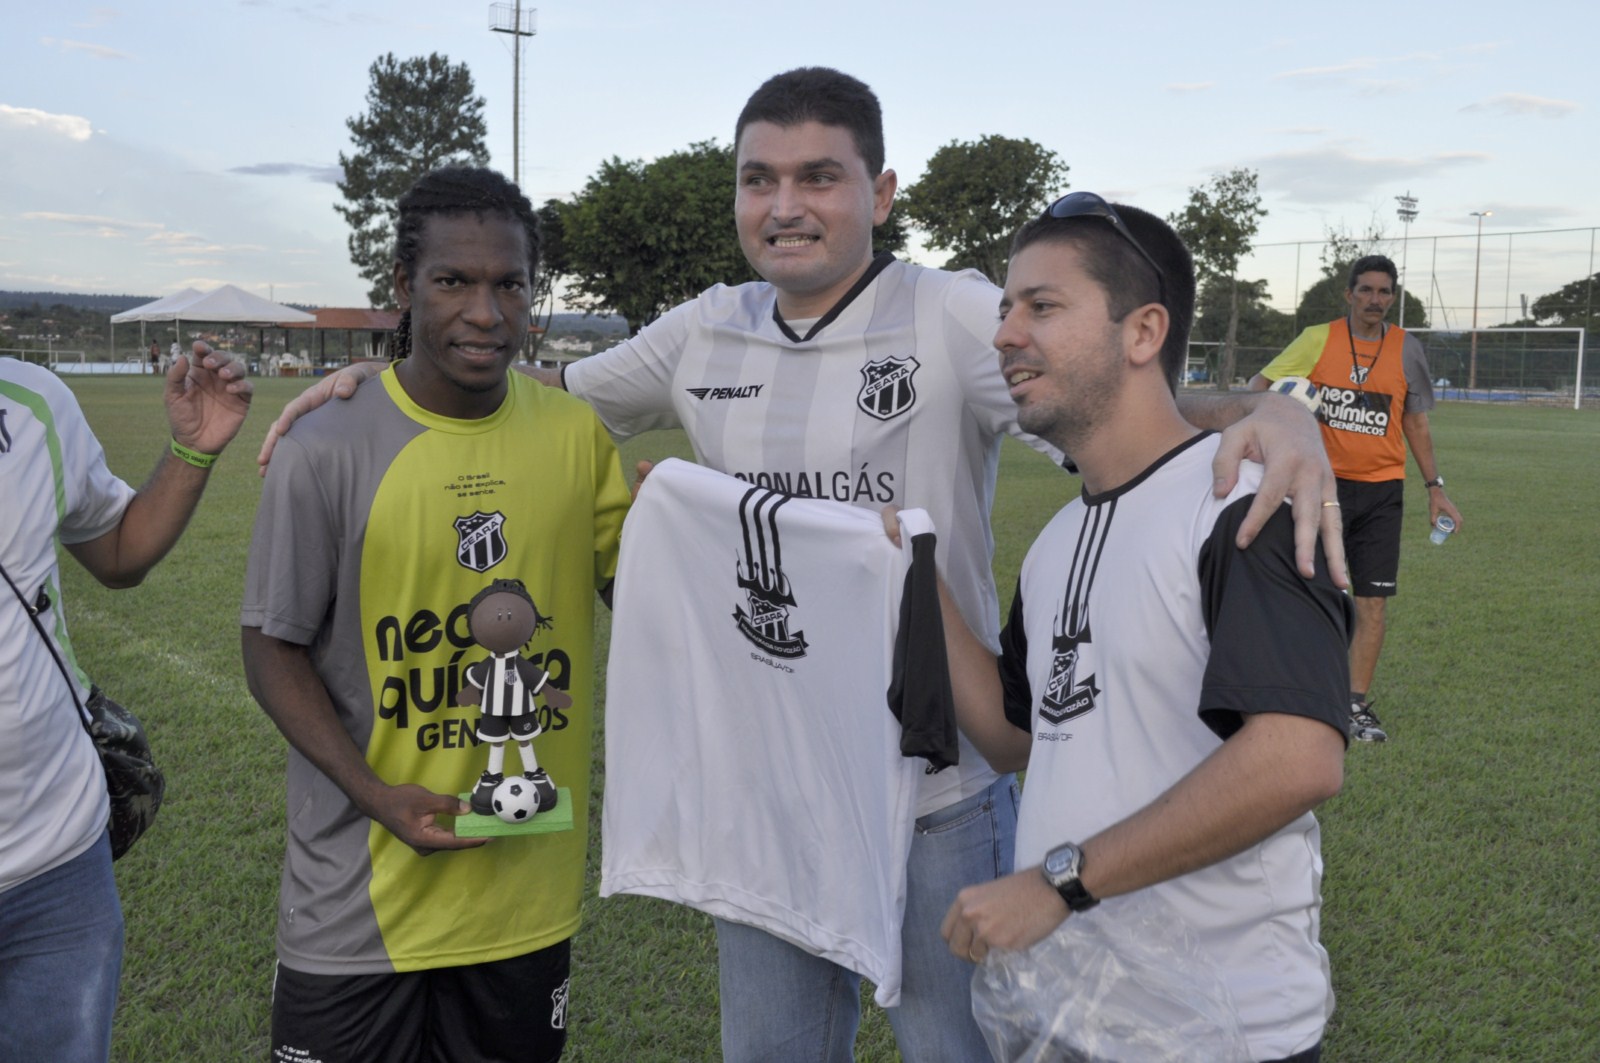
1191 86
1520 103
99 224
1336 175
71 126
99 51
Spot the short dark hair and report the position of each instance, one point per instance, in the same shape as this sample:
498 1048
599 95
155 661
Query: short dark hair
1123 273
456 190
819 94
1372 264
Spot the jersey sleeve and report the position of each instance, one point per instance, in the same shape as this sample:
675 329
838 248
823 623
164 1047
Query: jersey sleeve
1300 357
630 385
1419 380
292 569
95 499
1279 642
1014 683
971 312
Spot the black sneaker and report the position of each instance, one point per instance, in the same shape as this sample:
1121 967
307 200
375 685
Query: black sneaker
543 787
483 794
1364 725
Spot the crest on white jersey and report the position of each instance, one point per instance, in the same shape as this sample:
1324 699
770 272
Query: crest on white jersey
1066 696
887 390
482 540
759 573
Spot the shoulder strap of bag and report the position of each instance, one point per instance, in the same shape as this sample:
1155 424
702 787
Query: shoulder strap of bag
33 610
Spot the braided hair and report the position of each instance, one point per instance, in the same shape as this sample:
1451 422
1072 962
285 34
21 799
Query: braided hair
455 190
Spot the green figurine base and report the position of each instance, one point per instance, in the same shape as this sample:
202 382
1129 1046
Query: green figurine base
558 818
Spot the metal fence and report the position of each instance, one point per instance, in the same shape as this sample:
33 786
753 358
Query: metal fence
1463 280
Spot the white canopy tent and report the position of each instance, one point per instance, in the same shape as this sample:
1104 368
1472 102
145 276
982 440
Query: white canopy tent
228 304
166 302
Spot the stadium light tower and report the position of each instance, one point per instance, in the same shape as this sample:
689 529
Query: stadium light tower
1408 214
1472 366
519 23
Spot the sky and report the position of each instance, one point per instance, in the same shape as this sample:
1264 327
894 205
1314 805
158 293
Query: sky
148 147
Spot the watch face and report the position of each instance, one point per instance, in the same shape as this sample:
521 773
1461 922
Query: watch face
1062 861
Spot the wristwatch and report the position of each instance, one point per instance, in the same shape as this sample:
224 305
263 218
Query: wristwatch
1063 868
1437 481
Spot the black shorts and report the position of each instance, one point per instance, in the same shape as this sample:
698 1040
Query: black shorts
500 1012
1371 514
523 727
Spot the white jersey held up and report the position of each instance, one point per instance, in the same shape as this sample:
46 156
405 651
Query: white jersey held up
754 768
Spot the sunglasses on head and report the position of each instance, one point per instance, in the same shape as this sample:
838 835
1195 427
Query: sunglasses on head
1089 205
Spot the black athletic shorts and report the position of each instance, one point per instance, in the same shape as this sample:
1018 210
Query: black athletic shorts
509 1011
1371 514
523 727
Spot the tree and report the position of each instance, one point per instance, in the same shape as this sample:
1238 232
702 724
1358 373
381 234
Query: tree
643 237
1574 305
1260 332
421 114
552 266
975 194
1219 223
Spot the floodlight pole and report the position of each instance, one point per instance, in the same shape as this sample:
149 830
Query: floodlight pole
508 18
1408 214
1472 368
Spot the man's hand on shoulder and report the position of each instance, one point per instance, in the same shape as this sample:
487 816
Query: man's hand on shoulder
339 385
549 377
1283 436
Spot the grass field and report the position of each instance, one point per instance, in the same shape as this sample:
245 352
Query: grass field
1461 905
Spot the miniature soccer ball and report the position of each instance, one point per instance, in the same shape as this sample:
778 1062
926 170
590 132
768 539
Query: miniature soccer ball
515 800
1300 390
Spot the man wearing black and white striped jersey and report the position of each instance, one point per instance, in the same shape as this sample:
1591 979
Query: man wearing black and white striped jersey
1179 704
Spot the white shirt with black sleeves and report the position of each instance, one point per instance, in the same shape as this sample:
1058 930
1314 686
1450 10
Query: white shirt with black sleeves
1140 638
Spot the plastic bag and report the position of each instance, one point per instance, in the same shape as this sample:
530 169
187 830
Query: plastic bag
1121 983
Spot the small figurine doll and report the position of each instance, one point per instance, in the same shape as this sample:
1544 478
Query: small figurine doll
502 618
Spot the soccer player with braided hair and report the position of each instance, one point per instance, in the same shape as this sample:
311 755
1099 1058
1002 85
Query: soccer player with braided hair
379 522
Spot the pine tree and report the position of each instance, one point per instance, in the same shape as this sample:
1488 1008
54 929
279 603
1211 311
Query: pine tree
421 114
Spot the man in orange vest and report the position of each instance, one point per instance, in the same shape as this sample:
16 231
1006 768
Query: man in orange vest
1373 381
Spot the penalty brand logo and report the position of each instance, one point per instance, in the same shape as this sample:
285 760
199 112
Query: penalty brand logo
759 574
887 390
5 433
481 540
1066 696
748 391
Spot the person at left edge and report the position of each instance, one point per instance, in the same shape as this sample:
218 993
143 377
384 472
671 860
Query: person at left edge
60 919
382 521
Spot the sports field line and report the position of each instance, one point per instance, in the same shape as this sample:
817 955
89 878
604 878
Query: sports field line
228 684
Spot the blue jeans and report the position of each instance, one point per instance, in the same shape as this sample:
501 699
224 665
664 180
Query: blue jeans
60 960
781 1004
